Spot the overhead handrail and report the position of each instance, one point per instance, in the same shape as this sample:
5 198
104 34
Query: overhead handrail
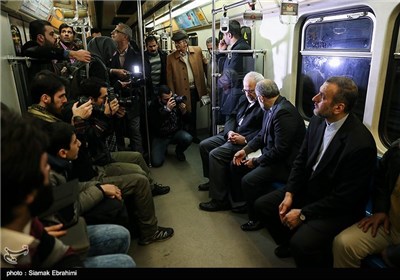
231 6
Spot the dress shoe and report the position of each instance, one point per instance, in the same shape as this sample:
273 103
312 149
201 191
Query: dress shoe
283 251
204 187
215 205
252 226
159 189
240 209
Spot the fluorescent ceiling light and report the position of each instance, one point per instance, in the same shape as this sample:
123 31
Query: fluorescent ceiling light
184 9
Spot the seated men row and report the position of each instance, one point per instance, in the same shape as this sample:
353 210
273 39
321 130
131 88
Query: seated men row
27 194
327 179
279 137
126 170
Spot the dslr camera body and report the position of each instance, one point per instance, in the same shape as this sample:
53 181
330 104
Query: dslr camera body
123 101
178 99
83 99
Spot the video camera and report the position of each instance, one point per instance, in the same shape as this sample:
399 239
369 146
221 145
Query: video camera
179 99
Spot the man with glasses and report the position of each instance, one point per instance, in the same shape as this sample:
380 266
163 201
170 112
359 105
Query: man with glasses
217 151
124 62
279 140
186 70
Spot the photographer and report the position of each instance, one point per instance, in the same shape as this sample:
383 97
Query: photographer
122 64
168 116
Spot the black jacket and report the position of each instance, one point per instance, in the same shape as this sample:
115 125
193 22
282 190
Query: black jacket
279 139
164 123
339 185
251 124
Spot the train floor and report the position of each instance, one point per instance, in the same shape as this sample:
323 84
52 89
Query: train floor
201 239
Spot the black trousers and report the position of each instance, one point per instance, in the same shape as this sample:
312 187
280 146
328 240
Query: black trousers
311 242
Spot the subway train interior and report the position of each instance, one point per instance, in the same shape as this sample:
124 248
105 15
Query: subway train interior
298 44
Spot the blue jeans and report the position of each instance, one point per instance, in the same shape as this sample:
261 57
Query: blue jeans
109 245
181 138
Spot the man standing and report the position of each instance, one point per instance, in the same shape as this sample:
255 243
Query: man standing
67 39
122 64
186 68
43 47
328 185
237 61
217 151
155 67
209 44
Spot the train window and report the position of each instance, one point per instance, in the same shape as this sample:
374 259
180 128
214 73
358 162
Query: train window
389 123
334 45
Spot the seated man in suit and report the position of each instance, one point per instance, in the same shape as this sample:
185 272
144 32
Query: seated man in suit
327 188
217 151
279 141
379 232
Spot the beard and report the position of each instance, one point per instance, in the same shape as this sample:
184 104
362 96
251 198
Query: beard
53 110
43 200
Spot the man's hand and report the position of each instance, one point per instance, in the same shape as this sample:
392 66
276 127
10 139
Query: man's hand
182 107
120 73
374 222
55 230
239 157
285 206
222 45
112 191
292 219
81 55
121 112
171 104
111 107
236 138
84 111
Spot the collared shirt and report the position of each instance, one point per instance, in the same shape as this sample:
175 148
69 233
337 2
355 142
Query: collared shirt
185 57
245 112
330 131
72 60
122 57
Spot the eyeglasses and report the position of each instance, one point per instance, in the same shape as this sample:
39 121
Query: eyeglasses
117 31
248 91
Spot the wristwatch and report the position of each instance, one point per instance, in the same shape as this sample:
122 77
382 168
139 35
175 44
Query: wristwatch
302 217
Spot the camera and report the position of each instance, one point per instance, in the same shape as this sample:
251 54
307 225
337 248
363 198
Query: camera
123 101
179 99
83 99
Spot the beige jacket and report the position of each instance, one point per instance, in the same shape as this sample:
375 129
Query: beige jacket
177 74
